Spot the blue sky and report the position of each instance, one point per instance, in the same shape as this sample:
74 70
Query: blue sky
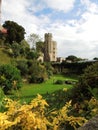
73 23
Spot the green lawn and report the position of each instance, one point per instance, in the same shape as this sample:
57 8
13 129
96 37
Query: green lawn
28 91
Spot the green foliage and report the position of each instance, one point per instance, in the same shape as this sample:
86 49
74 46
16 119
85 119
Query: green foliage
94 92
15 49
23 67
59 82
9 78
87 82
4 57
40 46
96 58
2 96
15 32
49 69
89 78
72 58
76 68
24 48
33 39
32 54
38 73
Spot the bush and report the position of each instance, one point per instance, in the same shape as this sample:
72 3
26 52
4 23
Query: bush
38 73
36 79
2 96
35 116
87 83
23 67
59 82
9 78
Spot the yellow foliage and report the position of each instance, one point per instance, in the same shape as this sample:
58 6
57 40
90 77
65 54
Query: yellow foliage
65 89
63 117
34 116
87 106
26 117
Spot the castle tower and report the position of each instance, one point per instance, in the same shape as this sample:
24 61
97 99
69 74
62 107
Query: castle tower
50 48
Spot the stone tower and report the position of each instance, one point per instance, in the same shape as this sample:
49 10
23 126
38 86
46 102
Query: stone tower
50 48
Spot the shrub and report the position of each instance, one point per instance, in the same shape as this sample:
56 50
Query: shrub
9 77
2 96
35 116
38 73
23 67
15 49
49 69
87 83
59 82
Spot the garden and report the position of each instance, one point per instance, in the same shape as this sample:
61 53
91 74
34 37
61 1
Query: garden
37 95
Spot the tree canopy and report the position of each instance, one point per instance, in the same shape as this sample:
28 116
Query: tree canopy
33 39
15 32
73 58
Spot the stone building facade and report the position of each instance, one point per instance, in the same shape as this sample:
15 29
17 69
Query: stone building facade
50 53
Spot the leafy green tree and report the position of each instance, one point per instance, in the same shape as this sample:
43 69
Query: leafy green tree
40 46
73 58
32 54
33 39
49 69
24 48
15 32
90 76
87 83
96 58
9 78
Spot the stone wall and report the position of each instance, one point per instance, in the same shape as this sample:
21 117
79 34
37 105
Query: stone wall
91 124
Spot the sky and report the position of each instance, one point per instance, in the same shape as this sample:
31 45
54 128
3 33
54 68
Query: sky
73 23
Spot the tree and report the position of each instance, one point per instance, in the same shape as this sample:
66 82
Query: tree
9 78
73 58
40 46
33 39
32 54
24 48
49 69
15 32
87 83
96 58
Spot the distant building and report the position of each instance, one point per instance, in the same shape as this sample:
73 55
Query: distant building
50 53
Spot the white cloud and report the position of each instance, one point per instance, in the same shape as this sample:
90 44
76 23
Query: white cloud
18 11
61 5
90 6
77 37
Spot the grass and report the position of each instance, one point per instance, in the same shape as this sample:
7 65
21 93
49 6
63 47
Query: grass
29 91
4 58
